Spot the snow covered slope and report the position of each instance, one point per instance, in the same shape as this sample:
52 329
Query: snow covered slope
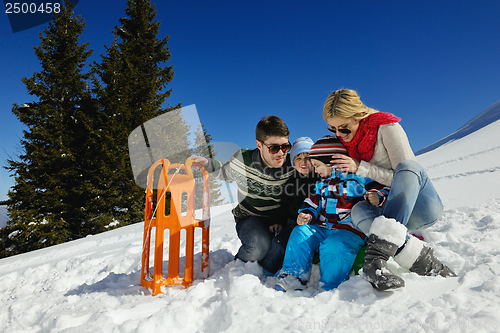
466 172
483 119
93 284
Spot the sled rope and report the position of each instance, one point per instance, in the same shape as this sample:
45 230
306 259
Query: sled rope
154 212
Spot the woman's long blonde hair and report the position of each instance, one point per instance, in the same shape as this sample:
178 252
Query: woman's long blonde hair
345 103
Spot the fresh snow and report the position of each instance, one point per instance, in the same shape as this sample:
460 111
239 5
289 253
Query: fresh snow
466 172
483 119
93 284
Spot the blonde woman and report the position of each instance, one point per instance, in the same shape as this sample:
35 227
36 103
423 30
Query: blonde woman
379 149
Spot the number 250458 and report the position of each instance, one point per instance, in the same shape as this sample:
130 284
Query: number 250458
32 8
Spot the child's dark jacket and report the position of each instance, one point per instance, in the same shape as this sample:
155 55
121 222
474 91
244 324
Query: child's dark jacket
296 190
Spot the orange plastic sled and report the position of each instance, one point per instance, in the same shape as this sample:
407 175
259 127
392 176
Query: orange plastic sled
177 184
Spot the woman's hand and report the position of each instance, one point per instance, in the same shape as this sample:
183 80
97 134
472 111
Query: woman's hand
344 163
303 218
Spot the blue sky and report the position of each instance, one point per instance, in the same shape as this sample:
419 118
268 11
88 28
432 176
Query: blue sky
435 64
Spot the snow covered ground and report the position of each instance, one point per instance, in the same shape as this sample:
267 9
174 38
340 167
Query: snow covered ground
93 284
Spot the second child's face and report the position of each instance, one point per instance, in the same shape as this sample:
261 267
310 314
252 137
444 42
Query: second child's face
302 163
321 168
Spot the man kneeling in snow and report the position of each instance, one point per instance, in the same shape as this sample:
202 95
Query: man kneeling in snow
260 175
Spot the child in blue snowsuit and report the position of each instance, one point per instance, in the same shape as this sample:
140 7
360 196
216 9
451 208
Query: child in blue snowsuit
324 222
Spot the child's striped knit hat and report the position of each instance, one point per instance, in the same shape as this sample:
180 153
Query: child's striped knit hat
323 149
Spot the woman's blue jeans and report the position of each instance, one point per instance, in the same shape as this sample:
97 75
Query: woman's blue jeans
412 201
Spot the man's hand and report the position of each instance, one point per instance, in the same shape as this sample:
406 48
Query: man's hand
275 228
373 198
303 218
199 159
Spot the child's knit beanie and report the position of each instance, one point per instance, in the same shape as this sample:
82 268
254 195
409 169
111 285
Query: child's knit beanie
301 145
323 149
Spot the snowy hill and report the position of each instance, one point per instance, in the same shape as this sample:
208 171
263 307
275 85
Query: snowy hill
466 172
483 119
93 284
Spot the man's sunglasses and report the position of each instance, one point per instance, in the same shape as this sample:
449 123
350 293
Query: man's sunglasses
273 149
341 130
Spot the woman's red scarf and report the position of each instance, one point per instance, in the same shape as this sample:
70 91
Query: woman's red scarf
362 145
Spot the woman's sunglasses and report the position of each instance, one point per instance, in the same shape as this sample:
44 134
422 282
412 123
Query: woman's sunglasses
273 149
341 130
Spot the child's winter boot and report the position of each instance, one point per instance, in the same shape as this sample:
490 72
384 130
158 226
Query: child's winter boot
289 282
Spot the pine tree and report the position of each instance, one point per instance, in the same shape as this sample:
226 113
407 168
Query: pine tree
134 79
45 203
74 176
